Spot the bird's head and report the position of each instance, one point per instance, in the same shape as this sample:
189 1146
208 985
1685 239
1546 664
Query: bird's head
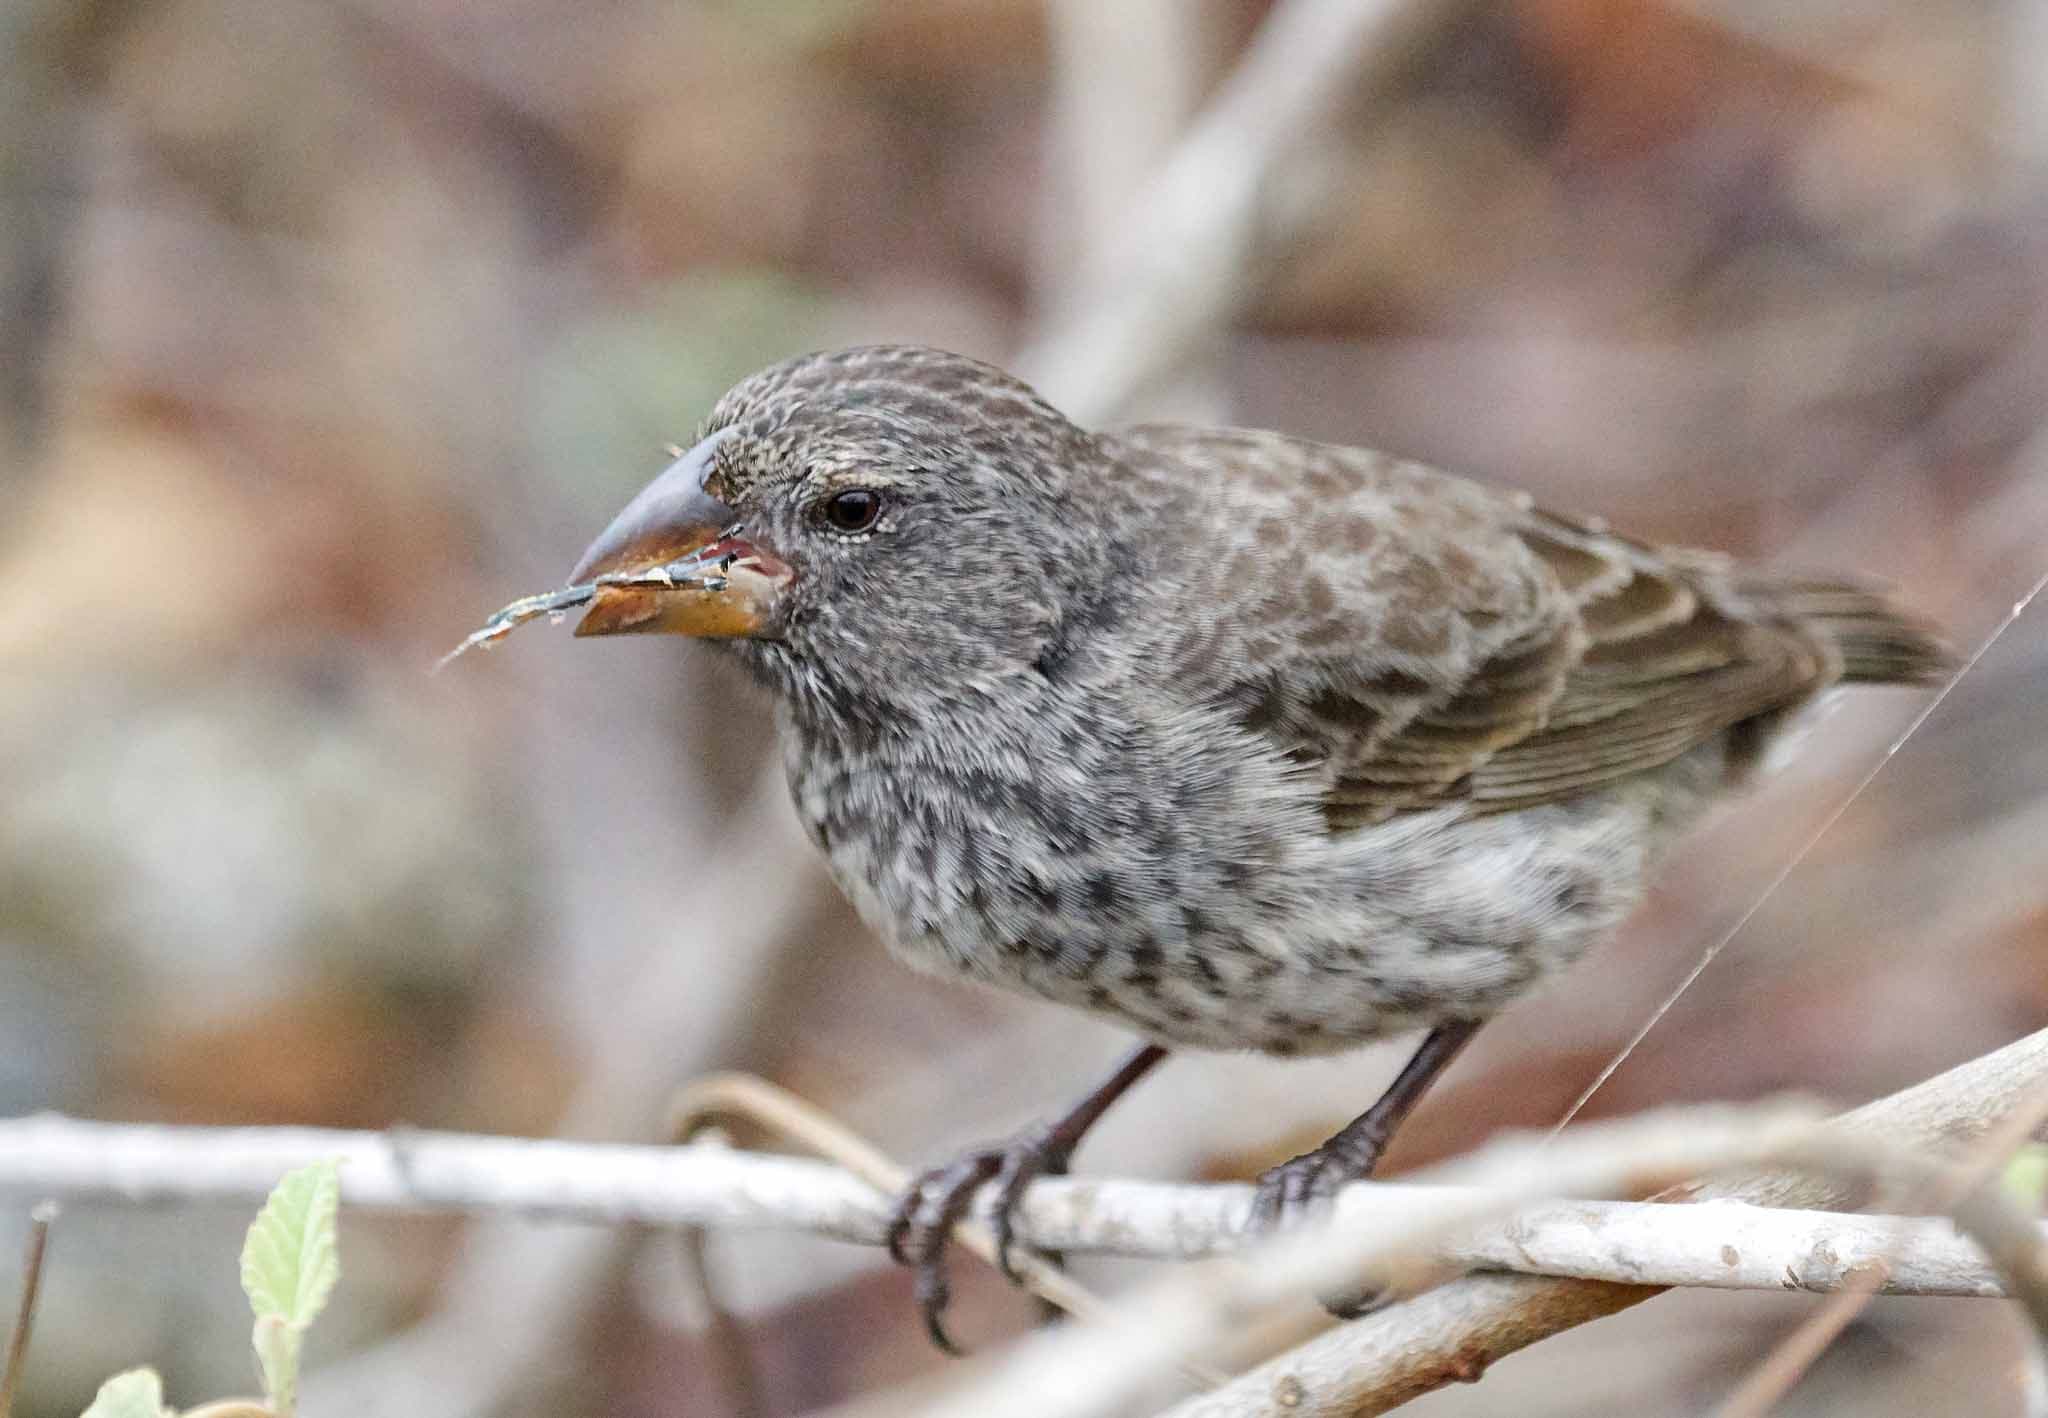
878 525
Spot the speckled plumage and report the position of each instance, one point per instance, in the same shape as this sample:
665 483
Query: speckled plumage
1240 741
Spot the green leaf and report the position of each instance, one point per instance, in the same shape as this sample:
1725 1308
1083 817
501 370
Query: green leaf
289 1262
2026 1176
289 1265
138 1393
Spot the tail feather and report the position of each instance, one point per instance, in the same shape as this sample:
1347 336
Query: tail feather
1879 640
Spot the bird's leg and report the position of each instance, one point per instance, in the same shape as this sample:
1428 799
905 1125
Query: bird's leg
933 1202
1292 1189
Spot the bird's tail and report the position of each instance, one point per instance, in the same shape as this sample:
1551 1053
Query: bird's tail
1879 640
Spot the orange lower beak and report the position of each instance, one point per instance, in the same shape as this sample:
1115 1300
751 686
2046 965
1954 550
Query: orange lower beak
740 601
726 586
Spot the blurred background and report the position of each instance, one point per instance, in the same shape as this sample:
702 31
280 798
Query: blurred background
331 326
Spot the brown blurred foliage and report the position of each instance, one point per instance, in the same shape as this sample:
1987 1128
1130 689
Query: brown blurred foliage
331 326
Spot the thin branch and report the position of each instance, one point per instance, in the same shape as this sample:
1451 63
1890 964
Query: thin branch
1126 79
728 1359
613 1184
716 1187
1788 1362
39 1219
1449 1333
1176 269
1730 1245
733 1095
1199 1308
1453 1333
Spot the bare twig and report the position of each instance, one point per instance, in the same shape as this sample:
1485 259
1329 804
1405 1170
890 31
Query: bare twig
620 1184
624 1185
1452 1333
1199 1308
1364 1367
1783 1367
733 1095
1177 269
729 1361
784 1114
1126 78
712 1186
39 1219
1730 1245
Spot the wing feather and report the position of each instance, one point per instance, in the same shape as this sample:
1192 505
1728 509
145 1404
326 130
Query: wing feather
1497 655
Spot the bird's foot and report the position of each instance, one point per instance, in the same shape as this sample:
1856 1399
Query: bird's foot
1302 1188
936 1200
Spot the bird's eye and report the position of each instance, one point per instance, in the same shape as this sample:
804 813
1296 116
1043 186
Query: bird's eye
854 510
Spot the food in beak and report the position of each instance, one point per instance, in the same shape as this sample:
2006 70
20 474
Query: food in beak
674 561
708 571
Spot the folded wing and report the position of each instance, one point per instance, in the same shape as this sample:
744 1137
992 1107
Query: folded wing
1418 640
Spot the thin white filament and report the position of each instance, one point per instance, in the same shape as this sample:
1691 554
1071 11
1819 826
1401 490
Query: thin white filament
1791 865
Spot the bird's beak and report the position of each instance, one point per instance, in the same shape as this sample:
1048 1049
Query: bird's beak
726 587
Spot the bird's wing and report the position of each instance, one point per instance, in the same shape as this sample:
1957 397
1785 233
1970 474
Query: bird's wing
1672 657
1416 639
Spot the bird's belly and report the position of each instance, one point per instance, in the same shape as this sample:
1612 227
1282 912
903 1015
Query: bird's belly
1260 931
1391 929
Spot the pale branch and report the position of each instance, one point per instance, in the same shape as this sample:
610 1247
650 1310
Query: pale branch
1200 1308
1125 81
1177 268
1452 1333
1368 1366
1980 1164
1726 1245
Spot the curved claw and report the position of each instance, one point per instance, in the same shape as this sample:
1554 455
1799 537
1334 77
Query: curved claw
1363 1301
921 1226
1299 1189
1295 1190
1030 1155
931 1292
900 1220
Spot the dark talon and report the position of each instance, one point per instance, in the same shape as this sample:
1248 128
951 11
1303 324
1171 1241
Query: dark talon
899 1221
931 1293
923 1220
922 1225
1301 1187
1290 1192
1363 1301
1034 1153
